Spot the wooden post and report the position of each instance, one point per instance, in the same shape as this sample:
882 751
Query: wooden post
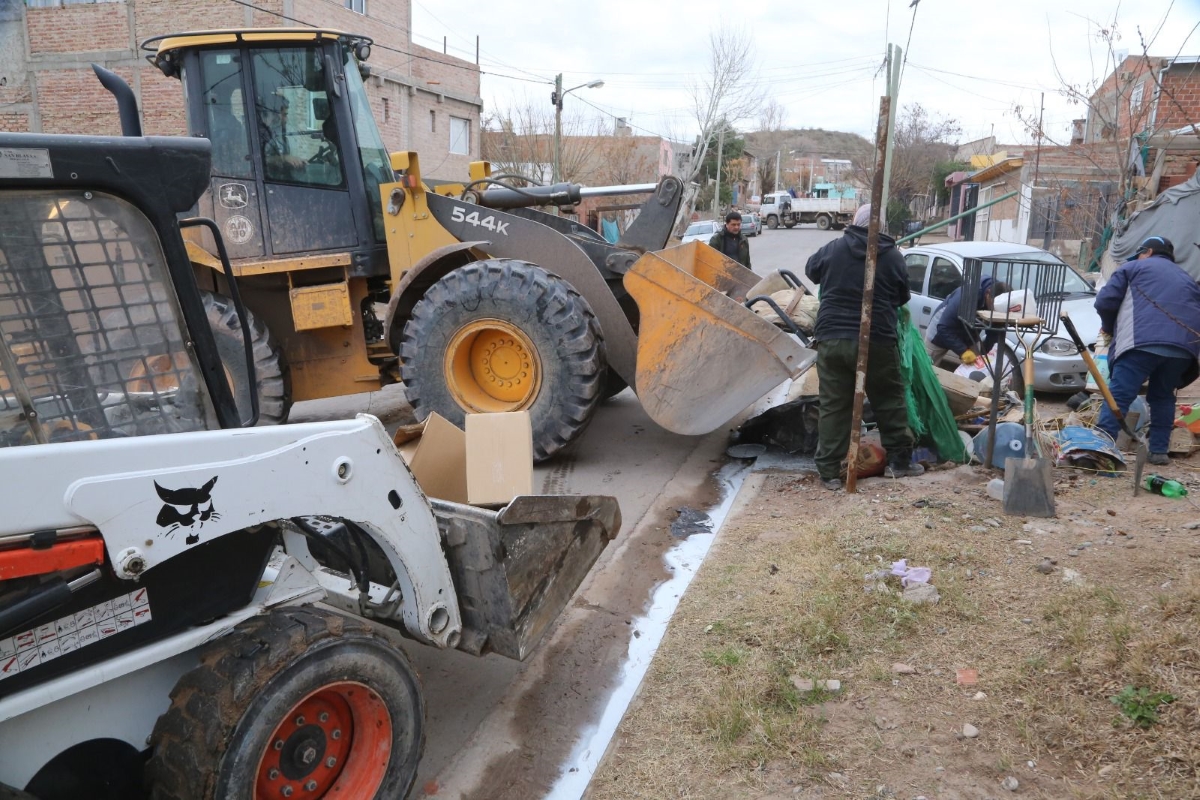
864 327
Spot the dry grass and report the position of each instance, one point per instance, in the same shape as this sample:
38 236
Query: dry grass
783 595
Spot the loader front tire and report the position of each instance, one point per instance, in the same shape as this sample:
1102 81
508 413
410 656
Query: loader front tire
505 335
300 698
274 387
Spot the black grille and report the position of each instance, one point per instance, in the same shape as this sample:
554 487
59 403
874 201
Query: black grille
90 340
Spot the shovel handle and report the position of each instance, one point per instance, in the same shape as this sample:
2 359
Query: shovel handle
1095 372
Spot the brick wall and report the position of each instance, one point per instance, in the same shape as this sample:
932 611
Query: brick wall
63 40
1179 103
14 122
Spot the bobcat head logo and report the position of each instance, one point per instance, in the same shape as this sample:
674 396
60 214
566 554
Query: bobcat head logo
186 508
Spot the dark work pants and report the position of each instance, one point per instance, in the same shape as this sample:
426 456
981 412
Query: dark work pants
837 360
1128 373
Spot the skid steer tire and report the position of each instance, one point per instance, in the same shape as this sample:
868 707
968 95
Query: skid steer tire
539 322
298 697
274 386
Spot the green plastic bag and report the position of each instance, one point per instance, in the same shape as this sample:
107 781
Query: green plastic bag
929 414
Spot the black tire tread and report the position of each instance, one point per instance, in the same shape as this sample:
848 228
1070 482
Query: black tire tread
186 742
580 343
271 369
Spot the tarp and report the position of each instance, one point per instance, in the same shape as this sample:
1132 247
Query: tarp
1174 214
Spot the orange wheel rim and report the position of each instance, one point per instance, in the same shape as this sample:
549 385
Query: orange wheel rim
160 373
491 366
337 742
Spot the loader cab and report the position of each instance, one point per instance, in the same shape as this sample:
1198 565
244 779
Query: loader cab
297 157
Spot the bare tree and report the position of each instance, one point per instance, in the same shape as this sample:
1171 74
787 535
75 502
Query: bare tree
726 93
921 141
520 140
770 141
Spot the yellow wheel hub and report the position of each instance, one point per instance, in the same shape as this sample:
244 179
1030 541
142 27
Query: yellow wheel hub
491 365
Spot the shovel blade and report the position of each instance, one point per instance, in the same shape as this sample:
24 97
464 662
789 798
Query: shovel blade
1028 487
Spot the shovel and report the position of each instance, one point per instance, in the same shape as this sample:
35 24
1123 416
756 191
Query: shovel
1143 451
1029 482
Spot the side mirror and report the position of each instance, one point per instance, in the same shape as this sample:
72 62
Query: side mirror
320 108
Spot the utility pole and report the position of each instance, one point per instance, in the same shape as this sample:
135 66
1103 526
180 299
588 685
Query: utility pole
893 89
778 155
720 154
864 326
557 99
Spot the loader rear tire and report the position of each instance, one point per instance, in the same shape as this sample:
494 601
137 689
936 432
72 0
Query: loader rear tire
274 386
298 697
505 335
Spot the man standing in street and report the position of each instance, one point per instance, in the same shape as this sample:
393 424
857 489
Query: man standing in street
1151 309
840 268
731 242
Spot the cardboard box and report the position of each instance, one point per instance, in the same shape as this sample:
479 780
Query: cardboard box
436 452
499 457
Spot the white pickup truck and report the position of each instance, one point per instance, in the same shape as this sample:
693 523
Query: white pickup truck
780 208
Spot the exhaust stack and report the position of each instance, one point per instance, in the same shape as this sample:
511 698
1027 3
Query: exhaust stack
131 124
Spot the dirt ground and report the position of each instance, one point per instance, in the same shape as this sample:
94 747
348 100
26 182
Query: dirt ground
790 593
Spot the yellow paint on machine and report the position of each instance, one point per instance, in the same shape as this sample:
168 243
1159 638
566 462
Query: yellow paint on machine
410 228
325 305
702 355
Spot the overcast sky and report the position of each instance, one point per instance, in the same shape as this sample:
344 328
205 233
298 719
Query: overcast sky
820 61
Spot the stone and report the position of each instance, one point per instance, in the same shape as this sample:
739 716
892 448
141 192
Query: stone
903 669
995 523
1191 526
969 731
1009 784
979 696
837 778
1027 621
807 685
1045 567
1072 577
1106 769
1073 553
921 594
978 529
1022 541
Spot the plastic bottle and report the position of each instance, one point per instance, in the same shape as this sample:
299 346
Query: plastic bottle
1164 486
995 488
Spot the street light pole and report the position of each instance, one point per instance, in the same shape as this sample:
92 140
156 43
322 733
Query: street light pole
557 99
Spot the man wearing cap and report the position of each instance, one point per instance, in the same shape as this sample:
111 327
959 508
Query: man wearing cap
840 268
731 241
1151 309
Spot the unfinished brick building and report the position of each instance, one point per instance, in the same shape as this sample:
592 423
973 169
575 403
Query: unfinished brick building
422 100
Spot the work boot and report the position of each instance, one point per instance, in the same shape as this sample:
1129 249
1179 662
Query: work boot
903 468
1159 459
832 484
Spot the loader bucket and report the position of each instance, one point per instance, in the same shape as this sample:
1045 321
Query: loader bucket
702 356
516 569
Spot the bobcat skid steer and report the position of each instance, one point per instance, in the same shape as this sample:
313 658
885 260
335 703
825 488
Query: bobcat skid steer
161 557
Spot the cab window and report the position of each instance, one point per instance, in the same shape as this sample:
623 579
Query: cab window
296 130
225 113
944 278
917 265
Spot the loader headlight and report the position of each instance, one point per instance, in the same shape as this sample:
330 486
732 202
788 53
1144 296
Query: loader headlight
1055 346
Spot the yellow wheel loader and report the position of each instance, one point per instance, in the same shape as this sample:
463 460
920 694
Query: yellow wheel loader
358 272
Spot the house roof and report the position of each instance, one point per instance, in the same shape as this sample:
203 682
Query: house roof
997 169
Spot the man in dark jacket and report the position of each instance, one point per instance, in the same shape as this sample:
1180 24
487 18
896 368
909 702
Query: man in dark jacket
948 333
1151 309
840 267
731 241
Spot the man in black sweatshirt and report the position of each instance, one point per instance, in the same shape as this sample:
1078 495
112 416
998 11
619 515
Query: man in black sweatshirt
839 267
731 241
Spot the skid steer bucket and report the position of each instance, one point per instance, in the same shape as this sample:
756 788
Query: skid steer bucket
703 356
516 569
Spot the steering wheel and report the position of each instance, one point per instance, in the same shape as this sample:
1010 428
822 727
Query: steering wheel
327 154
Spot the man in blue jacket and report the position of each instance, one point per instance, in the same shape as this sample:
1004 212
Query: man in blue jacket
1151 309
948 334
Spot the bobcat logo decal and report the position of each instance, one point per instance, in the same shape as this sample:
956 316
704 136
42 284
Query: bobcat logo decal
186 508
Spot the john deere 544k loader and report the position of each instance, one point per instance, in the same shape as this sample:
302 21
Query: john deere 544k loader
490 304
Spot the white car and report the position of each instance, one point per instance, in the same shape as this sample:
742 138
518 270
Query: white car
934 271
701 231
